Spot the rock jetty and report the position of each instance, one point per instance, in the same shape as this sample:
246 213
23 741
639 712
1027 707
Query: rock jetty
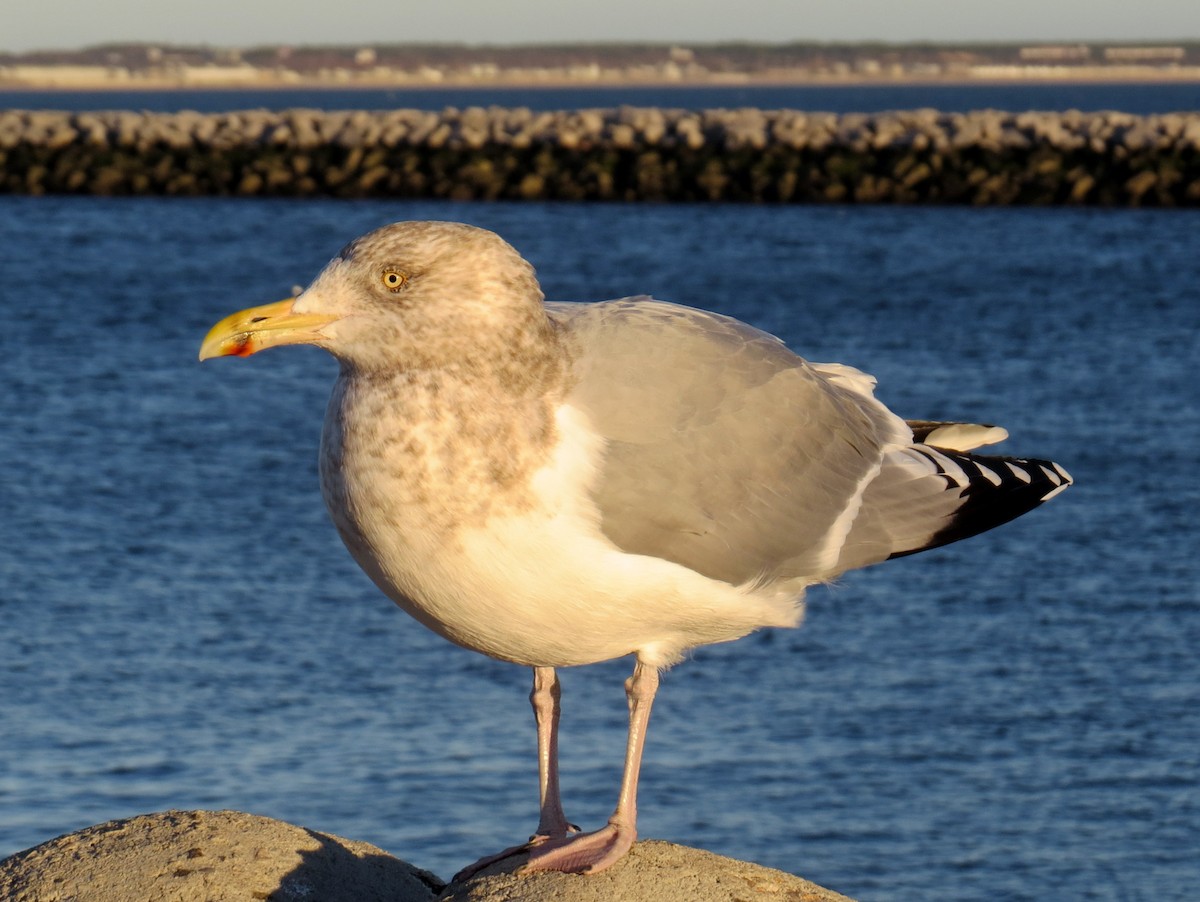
626 154
195 856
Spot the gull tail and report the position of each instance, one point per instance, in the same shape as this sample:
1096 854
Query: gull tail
991 490
927 495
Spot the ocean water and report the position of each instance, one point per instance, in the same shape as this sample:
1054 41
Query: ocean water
1015 716
1130 97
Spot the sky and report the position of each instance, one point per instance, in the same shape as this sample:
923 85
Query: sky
66 24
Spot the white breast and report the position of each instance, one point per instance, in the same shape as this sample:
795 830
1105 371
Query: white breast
539 583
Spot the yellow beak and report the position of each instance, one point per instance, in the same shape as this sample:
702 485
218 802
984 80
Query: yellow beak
249 331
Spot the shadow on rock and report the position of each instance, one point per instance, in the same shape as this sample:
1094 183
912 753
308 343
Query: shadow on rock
196 856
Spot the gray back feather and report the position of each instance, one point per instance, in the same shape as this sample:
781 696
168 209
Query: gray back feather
726 452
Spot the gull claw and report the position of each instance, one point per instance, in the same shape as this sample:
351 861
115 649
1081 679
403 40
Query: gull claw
474 868
536 840
586 853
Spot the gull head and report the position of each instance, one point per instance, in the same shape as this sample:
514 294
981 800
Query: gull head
408 295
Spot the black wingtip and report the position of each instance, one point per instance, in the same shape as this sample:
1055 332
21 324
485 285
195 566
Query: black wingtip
994 490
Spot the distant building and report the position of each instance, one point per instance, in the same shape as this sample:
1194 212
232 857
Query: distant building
1144 54
217 75
64 76
1056 53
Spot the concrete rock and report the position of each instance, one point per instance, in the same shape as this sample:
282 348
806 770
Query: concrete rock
196 856
627 153
654 872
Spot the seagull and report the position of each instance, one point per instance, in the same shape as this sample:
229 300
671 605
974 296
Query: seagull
558 484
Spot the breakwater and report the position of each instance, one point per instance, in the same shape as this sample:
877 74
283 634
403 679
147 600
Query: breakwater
748 155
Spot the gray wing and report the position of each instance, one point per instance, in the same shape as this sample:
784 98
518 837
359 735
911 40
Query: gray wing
726 452
729 454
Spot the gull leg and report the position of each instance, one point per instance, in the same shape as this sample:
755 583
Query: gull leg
589 853
544 698
552 822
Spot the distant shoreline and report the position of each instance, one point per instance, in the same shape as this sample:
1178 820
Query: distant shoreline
1092 76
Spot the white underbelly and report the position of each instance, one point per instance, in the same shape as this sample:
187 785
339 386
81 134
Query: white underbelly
538 583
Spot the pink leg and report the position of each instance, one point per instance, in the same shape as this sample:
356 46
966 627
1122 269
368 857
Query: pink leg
552 822
544 697
590 853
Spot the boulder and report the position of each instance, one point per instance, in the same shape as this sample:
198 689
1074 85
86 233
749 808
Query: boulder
653 871
196 856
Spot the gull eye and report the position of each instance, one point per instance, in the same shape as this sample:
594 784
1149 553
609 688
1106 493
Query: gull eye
393 279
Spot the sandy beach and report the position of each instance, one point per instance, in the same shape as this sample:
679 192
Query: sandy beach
75 78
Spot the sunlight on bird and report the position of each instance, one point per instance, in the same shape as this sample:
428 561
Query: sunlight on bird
560 484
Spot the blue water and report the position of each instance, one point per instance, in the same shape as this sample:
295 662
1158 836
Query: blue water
1013 717
1139 97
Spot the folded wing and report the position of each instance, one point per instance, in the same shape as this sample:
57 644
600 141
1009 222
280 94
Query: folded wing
729 454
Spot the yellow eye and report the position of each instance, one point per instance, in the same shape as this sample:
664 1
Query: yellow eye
393 279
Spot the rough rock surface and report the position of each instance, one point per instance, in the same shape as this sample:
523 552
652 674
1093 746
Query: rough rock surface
626 154
653 871
196 856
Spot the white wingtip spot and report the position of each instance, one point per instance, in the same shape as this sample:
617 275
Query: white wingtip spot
1053 475
916 463
989 475
952 470
1019 472
1054 491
